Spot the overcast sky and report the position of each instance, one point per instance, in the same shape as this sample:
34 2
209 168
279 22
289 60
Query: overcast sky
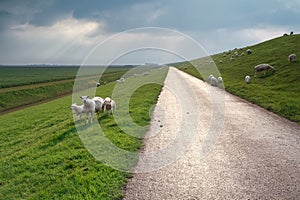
67 31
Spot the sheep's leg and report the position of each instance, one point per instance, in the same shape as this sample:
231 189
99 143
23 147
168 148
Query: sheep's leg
87 118
92 116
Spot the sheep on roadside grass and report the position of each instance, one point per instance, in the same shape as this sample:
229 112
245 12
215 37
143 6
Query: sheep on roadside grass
109 105
249 51
97 84
247 79
98 103
209 78
89 108
292 57
121 80
78 110
213 81
264 68
220 80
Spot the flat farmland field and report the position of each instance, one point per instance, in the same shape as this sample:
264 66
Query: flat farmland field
22 86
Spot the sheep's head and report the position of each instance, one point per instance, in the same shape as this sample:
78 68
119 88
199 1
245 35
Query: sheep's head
73 106
84 98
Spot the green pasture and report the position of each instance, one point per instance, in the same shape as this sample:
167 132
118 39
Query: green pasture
43 157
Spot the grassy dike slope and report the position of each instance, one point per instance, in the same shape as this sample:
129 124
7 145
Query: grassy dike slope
42 156
278 92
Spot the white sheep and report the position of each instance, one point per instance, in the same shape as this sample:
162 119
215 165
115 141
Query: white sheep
89 108
97 84
98 104
213 81
109 105
121 80
220 80
232 58
247 79
249 51
78 110
264 68
220 61
209 77
292 57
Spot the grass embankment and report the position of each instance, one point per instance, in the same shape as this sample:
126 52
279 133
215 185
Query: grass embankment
278 92
45 83
42 156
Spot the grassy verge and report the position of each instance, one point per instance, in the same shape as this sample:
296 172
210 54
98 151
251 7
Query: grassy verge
278 92
42 156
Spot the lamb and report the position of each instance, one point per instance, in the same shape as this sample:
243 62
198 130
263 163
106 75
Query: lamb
213 81
249 51
209 78
220 80
109 105
292 57
78 110
263 67
97 84
98 104
247 79
121 80
89 108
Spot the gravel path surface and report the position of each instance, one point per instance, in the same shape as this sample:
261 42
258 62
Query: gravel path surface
207 144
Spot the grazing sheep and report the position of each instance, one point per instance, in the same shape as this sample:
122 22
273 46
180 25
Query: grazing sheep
232 58
97 84
292 57
264 68
89 108
78 110
98 104
249 51
220 61
209 77
213 81
247 79
220 80
121 80
236 54
242 54
109 105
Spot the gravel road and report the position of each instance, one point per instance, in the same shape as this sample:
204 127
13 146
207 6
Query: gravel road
207 144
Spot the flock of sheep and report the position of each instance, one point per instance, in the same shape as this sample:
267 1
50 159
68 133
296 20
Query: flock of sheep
97 104
258 68
92 106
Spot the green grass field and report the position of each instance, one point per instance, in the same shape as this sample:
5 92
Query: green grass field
278 92
42 156
40 83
